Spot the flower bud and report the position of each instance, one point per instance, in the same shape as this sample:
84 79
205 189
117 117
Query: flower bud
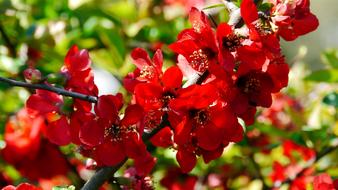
32 75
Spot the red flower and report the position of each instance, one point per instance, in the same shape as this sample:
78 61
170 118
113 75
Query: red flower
22 186
206 126
290 148
22 136
155 97
27 152
293 18
50 105
198 44
176 180
79 76
323 182
110 140
147 70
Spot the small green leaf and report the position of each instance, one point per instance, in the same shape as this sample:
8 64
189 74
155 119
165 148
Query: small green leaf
330 76
64 188
213 6
330 57
331 99
265 7
123 180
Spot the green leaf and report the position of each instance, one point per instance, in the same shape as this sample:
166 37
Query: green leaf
213 6
330 76
64 188
265 7
331 99
123 180
330 57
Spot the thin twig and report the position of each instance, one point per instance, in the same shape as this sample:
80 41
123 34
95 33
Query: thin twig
60 91
258 172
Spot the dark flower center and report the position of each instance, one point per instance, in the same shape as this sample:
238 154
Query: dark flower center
231 42
166 97
199 116
249 84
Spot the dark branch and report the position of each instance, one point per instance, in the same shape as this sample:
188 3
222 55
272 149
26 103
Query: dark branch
60 91
101 176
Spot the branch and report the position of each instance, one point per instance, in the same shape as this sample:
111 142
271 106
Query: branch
101 176
60 91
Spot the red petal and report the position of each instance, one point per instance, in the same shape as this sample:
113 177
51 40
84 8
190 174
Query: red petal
164 138
132 115
144 164
107 107
141 58
58 132
172 77
212 155
158 61
27 186
134 146
323 182
37 104
198 19
77 60
186 160
148 95
249 11
209 137
91 133
182 132
109 153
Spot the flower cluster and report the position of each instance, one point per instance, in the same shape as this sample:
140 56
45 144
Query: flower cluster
238 68
28 151
296 154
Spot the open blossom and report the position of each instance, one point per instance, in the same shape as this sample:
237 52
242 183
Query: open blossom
109 139
293 18
198 44
206 127
146 70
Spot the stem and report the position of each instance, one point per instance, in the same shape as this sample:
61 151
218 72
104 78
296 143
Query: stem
258 171
57 90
